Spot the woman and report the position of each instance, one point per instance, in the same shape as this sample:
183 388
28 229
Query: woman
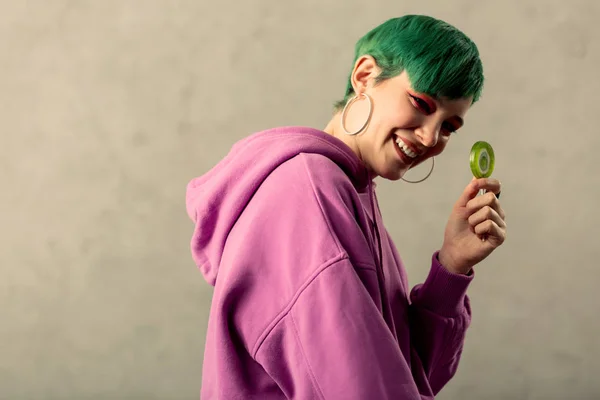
310 295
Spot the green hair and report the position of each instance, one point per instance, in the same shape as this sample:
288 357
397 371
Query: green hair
439 59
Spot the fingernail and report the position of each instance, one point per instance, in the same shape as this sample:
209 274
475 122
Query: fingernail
498 195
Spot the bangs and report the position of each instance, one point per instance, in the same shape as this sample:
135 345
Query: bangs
439 59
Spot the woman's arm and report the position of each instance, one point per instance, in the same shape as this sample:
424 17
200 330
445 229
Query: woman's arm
440 314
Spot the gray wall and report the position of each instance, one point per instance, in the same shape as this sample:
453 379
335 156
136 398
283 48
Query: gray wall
109 107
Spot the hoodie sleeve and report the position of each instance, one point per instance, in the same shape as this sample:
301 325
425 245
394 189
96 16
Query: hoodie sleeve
440 314
333 343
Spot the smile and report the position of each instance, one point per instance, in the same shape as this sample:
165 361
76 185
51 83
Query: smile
404 148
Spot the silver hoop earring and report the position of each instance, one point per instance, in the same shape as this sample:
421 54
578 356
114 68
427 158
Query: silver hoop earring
352 100
430 171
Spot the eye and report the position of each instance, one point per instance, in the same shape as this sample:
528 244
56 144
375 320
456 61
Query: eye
447 127
421 104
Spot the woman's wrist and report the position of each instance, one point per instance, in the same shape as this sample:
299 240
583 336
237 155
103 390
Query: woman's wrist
450 265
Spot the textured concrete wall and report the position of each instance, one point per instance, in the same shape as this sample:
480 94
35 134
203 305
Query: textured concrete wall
108 108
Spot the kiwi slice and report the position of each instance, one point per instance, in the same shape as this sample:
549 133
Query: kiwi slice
482 160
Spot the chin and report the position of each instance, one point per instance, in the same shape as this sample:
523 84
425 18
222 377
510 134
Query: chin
417 163
392 174
393 178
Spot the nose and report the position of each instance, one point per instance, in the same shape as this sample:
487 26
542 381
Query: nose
428 136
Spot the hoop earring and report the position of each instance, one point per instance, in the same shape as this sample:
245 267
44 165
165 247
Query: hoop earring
430 171
352 100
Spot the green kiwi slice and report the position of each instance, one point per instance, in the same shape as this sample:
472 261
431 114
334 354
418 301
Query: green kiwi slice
482 159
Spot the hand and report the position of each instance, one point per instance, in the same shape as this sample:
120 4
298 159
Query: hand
476 227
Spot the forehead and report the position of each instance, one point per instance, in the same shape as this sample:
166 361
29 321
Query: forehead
451 106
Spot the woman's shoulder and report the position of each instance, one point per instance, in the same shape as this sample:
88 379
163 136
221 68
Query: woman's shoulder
315 173
311 189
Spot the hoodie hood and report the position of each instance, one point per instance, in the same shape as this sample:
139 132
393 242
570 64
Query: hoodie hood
215 200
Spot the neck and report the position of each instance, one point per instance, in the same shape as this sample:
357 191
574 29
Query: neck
334 128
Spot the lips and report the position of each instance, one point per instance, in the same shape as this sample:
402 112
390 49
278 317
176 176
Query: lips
411 147
405 149
404 157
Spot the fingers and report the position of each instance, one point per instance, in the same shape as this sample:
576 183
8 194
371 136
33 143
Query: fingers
486 213
486 216
492 186
493 233
489 199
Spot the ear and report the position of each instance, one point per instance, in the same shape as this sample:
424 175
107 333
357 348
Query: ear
364 73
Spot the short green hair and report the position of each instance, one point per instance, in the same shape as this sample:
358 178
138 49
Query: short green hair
440 60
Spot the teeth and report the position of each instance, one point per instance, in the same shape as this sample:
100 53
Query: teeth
405 148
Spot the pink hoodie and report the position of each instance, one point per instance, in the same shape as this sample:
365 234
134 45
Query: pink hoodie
311 299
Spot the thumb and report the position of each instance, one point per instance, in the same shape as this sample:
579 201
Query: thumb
470 191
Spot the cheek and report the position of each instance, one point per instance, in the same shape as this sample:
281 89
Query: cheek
398 117
440 146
